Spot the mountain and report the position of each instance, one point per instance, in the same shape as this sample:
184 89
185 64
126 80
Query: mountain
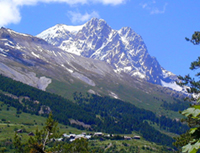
123 49
39 63
36 62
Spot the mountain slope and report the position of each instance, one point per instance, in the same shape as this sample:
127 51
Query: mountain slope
35 55
35 62
123 49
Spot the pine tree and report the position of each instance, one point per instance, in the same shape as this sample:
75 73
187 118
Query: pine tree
38 142
18 144
190 141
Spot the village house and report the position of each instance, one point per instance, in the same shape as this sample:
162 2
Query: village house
31 134
98 134
127 138
19 131
136 137
73 137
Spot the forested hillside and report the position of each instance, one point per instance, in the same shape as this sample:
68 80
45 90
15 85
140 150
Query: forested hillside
63 109
100 113
122 117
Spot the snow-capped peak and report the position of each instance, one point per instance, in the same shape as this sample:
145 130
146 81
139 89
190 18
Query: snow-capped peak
59 29
73 29
123 49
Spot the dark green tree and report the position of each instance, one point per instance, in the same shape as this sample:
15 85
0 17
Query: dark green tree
18 144
77 146
190 142
195 38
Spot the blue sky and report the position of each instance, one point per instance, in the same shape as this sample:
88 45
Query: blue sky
163 24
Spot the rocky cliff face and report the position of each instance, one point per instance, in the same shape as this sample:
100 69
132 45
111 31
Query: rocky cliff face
30 60
123 49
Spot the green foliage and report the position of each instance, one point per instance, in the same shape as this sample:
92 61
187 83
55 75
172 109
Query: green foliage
182 140
195 38
3 149
38 141
18 144
192 114
79 146
43 141
193 120
176 106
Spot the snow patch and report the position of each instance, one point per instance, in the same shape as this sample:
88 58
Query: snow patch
166 73
172 85
127 69
1 50
125 41
83 78
18 47
9 45
35 55
112 94
69 70
140 75
54 53
117 71
58 29
72 28
3 55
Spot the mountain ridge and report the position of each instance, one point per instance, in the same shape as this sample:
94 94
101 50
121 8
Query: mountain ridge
123 49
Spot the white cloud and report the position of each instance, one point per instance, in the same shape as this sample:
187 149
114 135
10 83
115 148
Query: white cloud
112 2
77 17
105 2
9 13
10 9
34 2
159 11
144 5
154 8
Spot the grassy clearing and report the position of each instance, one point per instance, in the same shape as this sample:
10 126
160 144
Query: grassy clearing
126 146
10 122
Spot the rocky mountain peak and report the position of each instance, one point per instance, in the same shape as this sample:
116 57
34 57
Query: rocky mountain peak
123 49
97 27
95 22
125 30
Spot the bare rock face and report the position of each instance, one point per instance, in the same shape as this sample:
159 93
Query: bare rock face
44 110
29 78
123 49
